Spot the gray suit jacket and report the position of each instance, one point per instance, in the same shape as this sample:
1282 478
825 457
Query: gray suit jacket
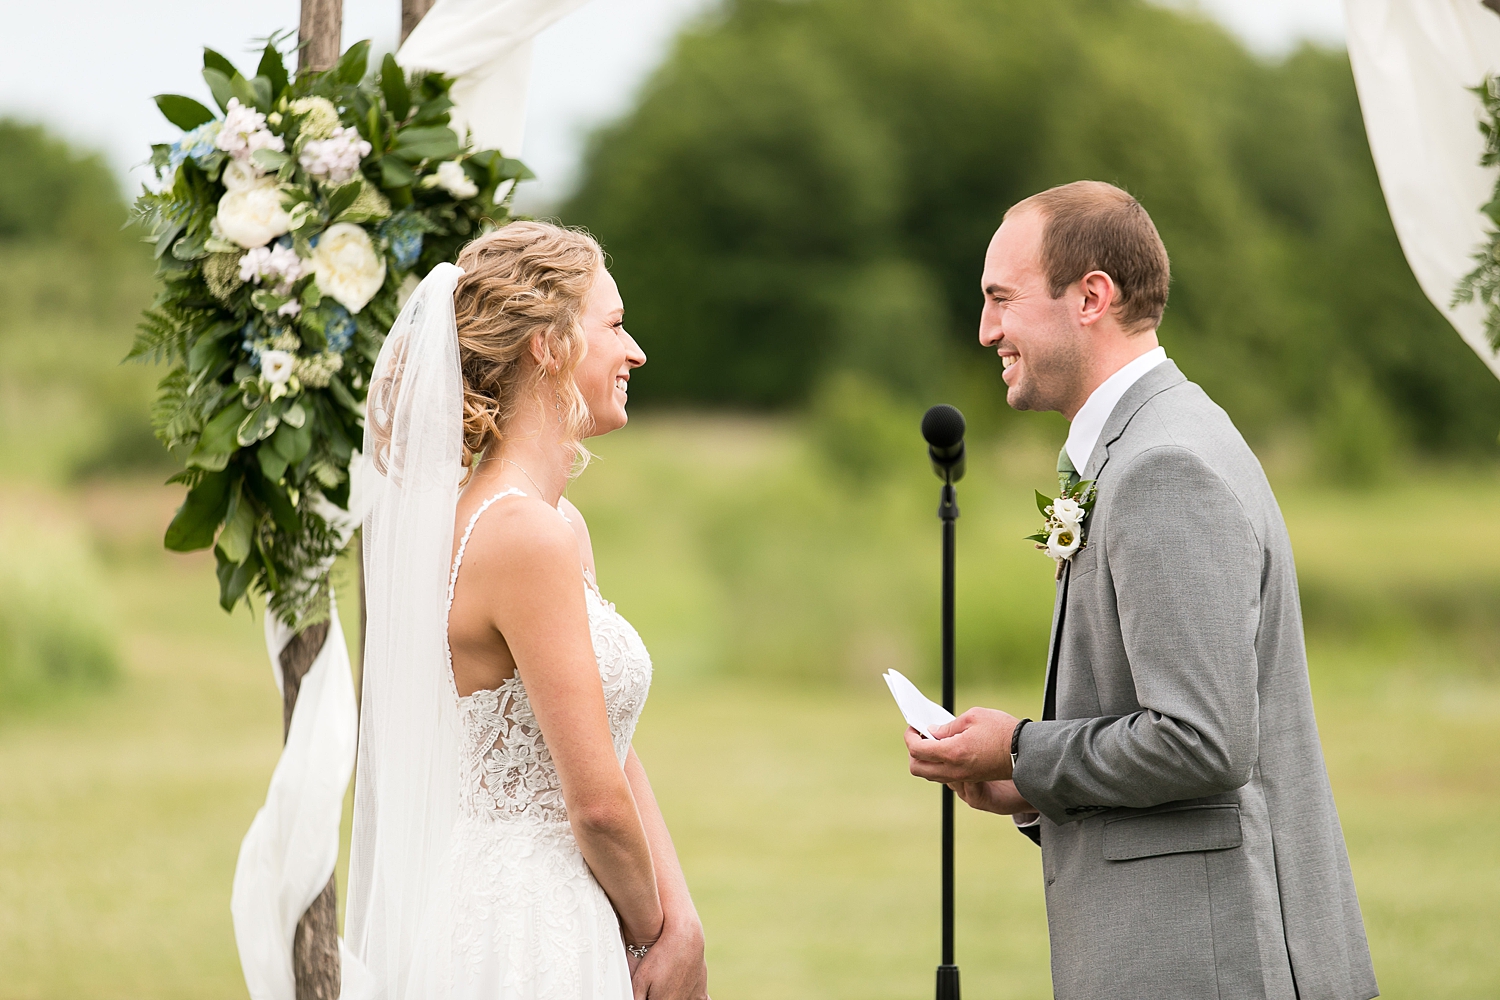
1189 838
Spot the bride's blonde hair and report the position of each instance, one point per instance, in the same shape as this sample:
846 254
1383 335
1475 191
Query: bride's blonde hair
521 280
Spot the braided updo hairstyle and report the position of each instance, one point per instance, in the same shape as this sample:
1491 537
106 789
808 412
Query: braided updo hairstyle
519 280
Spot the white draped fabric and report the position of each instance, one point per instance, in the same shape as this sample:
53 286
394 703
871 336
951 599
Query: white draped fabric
1413 61
291 848
486 44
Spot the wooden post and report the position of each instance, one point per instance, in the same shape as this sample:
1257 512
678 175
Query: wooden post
318 34
315 948
413 11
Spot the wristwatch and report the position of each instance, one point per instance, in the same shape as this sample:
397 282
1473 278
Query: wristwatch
1015 744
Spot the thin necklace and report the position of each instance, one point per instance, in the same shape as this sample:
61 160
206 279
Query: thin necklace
542 492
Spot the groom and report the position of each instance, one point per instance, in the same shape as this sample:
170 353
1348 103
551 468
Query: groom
1174 780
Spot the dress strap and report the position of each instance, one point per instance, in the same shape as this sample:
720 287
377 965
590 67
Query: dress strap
463 542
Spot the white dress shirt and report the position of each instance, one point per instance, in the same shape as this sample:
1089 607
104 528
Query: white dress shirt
1088 422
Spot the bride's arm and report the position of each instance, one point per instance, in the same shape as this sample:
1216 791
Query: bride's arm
674 968
536 584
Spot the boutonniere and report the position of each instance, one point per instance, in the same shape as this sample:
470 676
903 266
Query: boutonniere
1063 532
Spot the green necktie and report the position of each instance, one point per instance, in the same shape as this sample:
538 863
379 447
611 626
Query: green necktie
1067 476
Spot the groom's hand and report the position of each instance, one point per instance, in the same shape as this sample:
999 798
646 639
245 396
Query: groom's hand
973 747
992 796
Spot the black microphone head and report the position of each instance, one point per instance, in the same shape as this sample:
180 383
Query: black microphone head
943 426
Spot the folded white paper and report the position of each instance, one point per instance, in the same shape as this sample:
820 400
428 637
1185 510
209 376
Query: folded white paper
921 713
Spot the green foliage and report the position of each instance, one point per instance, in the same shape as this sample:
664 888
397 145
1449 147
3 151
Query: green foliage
53 636
268 370
809 187
1483 283
861 427
184 112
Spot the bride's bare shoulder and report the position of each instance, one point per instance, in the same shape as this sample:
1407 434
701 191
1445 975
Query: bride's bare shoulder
581 531
522 533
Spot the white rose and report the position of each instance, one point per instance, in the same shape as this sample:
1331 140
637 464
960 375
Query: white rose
346 266
252 216
240 174
1068 511
452 178
1063 542
276 366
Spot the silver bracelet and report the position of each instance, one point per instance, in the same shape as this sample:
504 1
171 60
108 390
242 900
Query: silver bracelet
638 950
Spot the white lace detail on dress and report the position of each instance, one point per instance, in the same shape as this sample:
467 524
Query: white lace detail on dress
507 768
530 919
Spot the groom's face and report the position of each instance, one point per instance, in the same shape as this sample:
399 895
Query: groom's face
1043 351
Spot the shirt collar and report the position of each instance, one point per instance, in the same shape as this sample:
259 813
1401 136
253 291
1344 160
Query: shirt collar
1088 422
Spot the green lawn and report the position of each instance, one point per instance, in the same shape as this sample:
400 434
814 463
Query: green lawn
776 754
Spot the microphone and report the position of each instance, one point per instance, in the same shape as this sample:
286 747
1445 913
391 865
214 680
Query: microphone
943 428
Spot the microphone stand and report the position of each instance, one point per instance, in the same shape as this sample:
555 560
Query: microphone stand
947 973
943 428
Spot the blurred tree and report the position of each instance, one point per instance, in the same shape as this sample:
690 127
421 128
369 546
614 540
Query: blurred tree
805 187
73 283
49 193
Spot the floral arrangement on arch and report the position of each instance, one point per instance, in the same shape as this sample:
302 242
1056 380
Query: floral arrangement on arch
285 229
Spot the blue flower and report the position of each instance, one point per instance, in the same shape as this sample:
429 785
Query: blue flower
404 235
340 328
248 344
406 248
197 145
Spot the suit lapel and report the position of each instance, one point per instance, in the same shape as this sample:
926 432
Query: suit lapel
1059 608
1164 376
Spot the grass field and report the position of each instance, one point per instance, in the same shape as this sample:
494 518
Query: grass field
771 605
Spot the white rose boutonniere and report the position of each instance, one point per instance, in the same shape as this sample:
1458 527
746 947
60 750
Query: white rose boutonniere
251 214
346 265
1063 533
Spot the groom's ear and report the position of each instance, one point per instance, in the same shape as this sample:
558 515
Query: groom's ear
1098 296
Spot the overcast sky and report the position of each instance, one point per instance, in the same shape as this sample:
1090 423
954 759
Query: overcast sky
89 67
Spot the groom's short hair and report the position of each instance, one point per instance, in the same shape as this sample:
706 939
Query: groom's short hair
1094 226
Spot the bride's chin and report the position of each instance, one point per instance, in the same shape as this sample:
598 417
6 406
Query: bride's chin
612 419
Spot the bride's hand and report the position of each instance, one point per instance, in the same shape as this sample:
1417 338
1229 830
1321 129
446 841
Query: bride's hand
674 968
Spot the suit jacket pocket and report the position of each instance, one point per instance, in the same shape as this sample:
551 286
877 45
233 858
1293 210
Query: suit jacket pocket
1172 831
1085 561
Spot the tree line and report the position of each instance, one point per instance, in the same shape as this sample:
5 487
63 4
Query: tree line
807 188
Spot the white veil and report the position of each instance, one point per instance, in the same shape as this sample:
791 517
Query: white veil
406 789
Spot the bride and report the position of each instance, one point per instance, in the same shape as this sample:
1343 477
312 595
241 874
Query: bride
506 840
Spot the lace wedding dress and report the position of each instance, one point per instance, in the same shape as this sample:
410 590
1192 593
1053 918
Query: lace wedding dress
530 922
